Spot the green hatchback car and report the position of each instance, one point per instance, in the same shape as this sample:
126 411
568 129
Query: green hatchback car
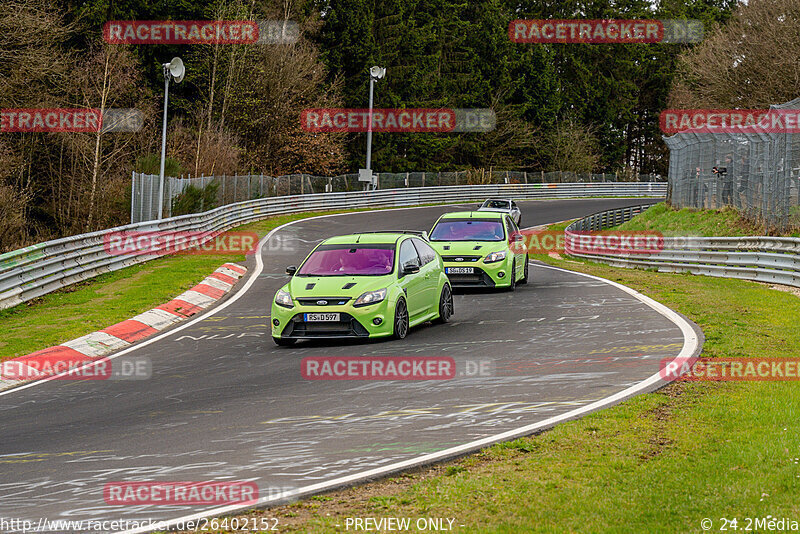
362 285
480 249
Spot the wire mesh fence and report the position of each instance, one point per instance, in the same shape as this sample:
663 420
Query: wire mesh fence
753 169
224 190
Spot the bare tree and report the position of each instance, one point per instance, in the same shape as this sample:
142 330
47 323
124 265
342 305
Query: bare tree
751 62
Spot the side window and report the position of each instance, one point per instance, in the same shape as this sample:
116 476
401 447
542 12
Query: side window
513 205
408 255
426 253
510 227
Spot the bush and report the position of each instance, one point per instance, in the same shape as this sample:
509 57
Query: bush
195 199
152 165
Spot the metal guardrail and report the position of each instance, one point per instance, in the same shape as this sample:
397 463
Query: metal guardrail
34 271
760 258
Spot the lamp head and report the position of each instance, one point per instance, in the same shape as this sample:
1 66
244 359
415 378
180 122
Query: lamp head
377 72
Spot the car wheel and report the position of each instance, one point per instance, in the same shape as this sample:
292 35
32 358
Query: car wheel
513 276
284 342
445 305
524 279
400 319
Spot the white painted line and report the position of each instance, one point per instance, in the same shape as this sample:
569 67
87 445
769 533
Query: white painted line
690 345
96 344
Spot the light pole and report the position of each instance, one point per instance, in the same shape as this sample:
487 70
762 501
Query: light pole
375 74
175 70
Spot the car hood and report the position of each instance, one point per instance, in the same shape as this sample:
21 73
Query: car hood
467 248
336 286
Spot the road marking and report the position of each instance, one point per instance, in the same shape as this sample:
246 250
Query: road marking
690 346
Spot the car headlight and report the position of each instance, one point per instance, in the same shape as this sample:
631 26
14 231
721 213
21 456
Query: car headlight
284 298
495 256
370 297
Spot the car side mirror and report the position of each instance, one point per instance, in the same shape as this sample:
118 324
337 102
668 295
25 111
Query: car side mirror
517 238
290 270
410 269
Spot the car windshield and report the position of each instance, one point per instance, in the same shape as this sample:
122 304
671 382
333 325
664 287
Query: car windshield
496 204
344 260
468 230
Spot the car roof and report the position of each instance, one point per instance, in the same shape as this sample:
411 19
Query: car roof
473 214
497 200
378 238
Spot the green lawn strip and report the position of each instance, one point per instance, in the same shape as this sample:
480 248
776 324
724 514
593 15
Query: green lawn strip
109 298
693 222
659 462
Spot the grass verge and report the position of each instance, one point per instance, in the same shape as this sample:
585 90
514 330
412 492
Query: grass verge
659 462
109 298
692 222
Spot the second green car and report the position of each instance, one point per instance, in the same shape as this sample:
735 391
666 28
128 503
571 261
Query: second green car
480 249
362 285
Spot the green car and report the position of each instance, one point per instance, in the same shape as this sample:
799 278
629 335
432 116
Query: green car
362 285
480 249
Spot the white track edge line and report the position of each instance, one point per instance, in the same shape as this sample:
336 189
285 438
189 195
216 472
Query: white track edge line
690 344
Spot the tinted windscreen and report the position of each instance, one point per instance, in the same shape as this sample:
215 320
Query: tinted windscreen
348 260
468 230
496 204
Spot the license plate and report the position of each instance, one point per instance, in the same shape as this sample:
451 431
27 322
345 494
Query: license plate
321 317
459 270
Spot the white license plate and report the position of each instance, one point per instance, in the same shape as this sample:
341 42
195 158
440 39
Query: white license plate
321 317
459 270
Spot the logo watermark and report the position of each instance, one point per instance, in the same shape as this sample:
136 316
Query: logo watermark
85 120
738 369
200 32
180 493
64 367
730 120
162 243
378 368
617 31
417 120
605 242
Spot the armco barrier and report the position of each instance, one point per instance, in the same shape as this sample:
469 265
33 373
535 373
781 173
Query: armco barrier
760 258
33 271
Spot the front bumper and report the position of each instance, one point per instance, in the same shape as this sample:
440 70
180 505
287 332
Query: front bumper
353 322
497 274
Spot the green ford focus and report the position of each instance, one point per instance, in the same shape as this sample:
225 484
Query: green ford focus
480 249
362 285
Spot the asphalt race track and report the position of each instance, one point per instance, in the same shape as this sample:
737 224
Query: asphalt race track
225 403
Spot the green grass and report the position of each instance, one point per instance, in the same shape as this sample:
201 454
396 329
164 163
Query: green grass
107 299
659 462
692 222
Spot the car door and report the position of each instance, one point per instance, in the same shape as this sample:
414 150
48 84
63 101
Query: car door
413 284
520 255
430 272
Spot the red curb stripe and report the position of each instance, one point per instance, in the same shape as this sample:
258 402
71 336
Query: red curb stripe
223 277
57 353
211 291
43 363
130 330
180 307
232 267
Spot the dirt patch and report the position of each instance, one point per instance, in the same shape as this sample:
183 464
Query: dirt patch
780 287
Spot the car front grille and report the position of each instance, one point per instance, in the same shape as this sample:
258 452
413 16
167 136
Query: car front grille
318 301
477 279
464 259
347 326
